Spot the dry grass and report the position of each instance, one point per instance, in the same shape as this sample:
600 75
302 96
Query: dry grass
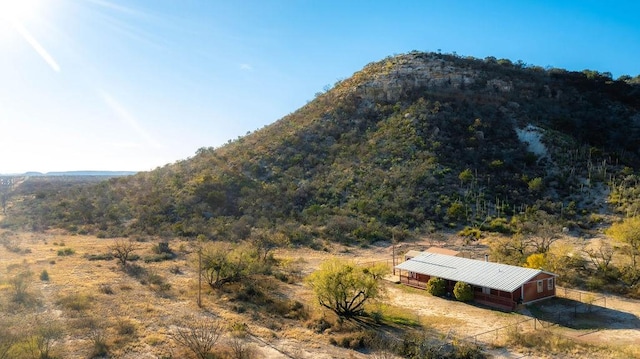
104 309
548 342
101 308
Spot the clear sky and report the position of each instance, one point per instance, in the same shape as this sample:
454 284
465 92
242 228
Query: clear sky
137 84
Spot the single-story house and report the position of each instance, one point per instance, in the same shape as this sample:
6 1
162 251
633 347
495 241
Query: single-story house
497 285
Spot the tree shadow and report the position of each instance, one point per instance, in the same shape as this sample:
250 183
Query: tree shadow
575 314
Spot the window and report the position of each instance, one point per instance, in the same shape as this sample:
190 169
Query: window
413 275
550 284
486 290
540 286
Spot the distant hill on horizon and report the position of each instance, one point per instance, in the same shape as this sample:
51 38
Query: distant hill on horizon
71 173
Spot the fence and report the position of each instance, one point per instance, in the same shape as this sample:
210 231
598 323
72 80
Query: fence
585 302
499 336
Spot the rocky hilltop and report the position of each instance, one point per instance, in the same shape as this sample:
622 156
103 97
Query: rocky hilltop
408 144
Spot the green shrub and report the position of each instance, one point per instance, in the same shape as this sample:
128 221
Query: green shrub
499 225
159 257
65 252
76 302
44 275
471 233
456 211
100 257
437 286
463 292
595 283
536 184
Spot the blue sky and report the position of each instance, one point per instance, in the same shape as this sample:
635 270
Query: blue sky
137 84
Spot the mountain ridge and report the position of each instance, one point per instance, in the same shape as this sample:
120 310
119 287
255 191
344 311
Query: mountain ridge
408 144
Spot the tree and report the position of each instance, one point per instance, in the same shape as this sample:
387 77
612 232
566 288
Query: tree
540 230
509 250
224 263
463 292
536 261
344 287
48 332
601 257
8 338
265 242
199 336
20 283
123 250
437 286
563 260
627 233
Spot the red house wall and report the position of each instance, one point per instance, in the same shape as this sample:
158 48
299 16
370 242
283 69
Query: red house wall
531 288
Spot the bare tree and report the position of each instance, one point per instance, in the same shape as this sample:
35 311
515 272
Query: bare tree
601 257
547 233
509 250
539 229
199 336
48 334
45 332
240 349
8 338
123 250
265 242
20 284
96 329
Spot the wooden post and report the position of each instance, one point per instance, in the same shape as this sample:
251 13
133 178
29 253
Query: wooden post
200 277
393 246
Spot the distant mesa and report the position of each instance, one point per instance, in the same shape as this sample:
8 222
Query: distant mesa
73 174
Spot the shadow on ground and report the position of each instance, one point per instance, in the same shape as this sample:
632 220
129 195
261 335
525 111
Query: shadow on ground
579 315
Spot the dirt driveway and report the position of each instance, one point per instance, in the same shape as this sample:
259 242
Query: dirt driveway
614 321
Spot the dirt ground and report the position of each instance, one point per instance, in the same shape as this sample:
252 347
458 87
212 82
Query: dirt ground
154 314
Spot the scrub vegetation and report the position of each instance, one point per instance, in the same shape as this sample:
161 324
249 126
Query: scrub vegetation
532 166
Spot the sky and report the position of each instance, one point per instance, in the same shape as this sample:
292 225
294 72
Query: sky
132 85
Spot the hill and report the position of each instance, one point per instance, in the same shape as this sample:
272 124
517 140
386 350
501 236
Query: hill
409 144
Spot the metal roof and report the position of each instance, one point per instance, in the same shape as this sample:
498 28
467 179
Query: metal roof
492 275
414 253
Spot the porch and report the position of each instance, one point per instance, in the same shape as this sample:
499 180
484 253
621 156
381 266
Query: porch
412 282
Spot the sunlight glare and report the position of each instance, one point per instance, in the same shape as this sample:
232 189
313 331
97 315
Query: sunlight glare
18 10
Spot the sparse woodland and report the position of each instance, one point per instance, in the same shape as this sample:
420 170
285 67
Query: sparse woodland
504 155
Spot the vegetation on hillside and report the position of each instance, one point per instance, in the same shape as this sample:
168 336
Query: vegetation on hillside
409 144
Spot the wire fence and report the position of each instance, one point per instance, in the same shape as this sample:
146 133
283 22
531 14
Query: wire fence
583 302
500 336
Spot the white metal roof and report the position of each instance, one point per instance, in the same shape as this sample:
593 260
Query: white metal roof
492 275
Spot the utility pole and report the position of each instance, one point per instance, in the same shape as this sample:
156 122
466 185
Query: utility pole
393 251
200 238
200 277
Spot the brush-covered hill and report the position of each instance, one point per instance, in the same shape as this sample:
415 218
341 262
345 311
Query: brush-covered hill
411 143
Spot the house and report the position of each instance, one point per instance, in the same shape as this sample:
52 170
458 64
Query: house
497 285
413 253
